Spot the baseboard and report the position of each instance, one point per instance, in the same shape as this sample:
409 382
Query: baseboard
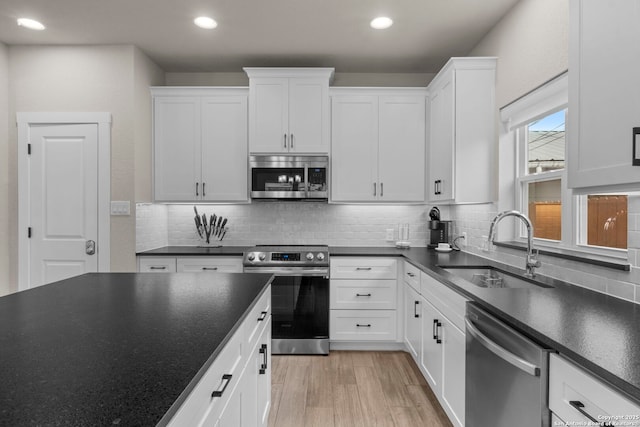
367 345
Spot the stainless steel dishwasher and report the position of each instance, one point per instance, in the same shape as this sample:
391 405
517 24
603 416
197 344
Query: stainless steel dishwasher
507 375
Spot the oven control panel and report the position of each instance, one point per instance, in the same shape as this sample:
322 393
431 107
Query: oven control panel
285 256
310 256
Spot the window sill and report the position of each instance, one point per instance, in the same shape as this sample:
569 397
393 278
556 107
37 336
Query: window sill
599 260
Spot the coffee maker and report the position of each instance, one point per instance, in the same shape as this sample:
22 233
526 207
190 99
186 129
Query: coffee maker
439 231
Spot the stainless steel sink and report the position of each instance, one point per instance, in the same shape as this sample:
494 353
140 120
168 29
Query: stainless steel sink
491 277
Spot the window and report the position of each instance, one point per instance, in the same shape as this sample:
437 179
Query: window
542 147
594 222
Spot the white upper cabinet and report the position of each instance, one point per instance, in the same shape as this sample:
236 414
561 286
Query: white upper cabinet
200 144
604 92
378 145
289 110
462 136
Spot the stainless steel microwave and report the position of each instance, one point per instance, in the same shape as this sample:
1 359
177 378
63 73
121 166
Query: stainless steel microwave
289 177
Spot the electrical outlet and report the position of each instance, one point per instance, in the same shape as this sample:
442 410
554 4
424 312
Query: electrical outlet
120 208
390 235
486 247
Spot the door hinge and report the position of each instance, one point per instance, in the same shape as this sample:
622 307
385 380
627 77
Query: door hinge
29 149
29 232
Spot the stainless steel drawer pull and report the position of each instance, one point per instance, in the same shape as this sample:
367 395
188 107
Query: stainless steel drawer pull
226 379
263 316
411 275
363 326
263 352
579 406
363 295
415 309
363 268
502 353
210 268
155 267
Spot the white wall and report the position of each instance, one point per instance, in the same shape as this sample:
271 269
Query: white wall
89 78
4 170
532 46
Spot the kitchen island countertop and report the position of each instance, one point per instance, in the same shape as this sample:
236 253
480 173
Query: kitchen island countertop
115 348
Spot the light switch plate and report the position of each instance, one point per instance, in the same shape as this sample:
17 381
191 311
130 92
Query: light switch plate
120 207
390 233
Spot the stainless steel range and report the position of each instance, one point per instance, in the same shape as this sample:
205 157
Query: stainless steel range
299 295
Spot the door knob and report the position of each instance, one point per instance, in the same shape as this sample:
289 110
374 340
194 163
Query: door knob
90 247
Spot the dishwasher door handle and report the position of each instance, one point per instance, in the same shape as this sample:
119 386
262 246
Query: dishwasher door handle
502 353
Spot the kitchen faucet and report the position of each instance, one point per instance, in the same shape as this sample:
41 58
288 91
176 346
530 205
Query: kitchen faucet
532 261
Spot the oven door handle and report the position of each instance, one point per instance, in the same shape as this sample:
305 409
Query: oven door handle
502 353
314 272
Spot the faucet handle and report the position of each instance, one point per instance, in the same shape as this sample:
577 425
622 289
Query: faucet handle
533 260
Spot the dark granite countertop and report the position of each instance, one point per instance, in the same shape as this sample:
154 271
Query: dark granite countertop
115 348
599 332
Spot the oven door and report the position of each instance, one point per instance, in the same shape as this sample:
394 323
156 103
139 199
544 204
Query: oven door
300 314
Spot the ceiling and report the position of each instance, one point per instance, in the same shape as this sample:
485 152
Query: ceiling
263 33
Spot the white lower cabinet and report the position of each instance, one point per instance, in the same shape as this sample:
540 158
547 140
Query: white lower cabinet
236 389
437 340
363 300
190 264
577 398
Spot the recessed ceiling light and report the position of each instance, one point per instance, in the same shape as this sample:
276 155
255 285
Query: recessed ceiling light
381 23
205 22
30 23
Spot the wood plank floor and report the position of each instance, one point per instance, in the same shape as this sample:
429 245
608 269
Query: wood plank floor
352 389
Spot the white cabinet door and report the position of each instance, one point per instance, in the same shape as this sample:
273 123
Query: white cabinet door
604 92
176 148
453 372
401 148
156 264
441 140
224 148
269 115
412 322
308 115
264 376
209 265
431 361
354 148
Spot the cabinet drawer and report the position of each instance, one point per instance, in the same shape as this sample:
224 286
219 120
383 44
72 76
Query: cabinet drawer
412 276
362 325
448 301
363 294
571 388
363 268
201 405
256 320
156 264
209 265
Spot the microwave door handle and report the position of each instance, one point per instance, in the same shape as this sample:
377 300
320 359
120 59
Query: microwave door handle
306 180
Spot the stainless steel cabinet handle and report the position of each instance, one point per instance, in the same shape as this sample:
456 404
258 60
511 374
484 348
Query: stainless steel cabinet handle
363 268
90 247
415 309
411 275
374 188
285 140
263 316
291 141
382 189
197 184
363 295
203 193
209 268
263 351
154 267
502 353
578 406
226 379
368 325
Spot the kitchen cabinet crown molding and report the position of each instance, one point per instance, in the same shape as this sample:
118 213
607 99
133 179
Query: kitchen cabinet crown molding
465 63
270 72
378 91
176 91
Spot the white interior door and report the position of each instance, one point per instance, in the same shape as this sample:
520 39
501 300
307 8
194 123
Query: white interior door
63 201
